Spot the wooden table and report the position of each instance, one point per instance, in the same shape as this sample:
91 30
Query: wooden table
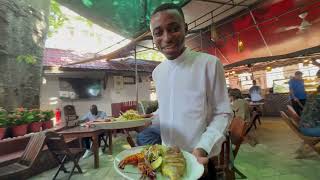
81 132
123 125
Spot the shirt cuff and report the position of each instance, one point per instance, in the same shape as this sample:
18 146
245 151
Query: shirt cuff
213 148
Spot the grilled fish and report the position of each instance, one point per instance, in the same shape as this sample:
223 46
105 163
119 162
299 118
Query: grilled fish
174 164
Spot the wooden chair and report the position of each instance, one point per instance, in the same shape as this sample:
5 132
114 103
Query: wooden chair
70 116
237 133
235 137
293 114
62 153
20 169
311 141
252 122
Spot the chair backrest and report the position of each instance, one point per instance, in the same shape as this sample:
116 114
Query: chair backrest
69 110
236 133
293 114
56 143
117 108
290 123
33 149
128 105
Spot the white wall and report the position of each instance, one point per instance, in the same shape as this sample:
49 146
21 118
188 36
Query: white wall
109 95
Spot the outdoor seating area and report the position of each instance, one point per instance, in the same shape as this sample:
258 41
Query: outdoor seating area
259 162
160 90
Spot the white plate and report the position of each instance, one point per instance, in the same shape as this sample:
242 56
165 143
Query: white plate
121 124
194 169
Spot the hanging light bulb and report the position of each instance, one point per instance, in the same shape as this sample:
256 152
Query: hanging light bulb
214 33
240 44
268 68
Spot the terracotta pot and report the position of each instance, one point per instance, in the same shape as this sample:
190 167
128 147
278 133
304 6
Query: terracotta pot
47 125
35 127
2 132
19 130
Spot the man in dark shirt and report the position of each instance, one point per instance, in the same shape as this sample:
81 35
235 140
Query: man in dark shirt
297 92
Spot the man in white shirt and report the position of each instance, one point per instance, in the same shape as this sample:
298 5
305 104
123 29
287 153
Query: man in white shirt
255 92
194 108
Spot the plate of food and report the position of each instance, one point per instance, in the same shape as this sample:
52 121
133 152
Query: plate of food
129 119
129 115
157 162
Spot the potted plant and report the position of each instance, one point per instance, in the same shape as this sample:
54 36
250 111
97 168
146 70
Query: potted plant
3 123
18 120
47 123
34 116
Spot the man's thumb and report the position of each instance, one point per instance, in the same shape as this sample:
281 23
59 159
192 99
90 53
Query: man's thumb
203 160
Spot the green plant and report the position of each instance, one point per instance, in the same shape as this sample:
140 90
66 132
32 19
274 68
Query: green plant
3 118
48 115
29 59
23 116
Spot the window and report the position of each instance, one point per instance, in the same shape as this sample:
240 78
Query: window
274 74
308 70
245 80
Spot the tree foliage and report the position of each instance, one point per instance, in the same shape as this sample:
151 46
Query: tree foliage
28 59
150 55
56 18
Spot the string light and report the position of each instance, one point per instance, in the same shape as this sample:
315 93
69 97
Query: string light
269 68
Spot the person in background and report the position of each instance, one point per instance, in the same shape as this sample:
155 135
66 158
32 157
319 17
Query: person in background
194 107
255 92
241 109
310 117
151 134
93 115
297 92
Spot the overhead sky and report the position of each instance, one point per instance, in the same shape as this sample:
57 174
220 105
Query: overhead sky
77 35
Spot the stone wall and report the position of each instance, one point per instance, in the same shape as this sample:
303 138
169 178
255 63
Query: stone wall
23 30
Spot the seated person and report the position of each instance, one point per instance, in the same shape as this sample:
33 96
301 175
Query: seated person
310 119
88 118
151 134
241 109
255 92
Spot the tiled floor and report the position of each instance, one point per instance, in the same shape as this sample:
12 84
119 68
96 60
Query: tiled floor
272 159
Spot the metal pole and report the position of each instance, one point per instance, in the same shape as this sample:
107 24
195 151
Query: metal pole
262 37
136 74
201 40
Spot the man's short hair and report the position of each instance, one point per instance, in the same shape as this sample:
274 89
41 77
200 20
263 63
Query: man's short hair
168 6
298 73
236 93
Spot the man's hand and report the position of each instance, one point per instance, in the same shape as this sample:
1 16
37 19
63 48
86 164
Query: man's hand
201 156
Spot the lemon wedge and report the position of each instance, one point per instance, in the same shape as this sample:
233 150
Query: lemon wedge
157 163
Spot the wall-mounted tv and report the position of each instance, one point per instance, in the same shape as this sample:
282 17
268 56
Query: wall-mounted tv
79 88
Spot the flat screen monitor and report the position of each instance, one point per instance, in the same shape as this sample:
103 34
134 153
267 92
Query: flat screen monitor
79 88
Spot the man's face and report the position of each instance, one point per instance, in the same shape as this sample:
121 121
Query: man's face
298 76
168 31
94 110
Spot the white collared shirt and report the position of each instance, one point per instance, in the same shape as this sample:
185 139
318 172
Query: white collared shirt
194 108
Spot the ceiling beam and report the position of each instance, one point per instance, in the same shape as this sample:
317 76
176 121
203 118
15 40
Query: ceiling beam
222 3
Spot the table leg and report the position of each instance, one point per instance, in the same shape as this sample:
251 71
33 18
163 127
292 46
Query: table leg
129 138
95 148
110 142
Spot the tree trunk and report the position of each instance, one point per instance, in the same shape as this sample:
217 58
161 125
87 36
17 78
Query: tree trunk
23 30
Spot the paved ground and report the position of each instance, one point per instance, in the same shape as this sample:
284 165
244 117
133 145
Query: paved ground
272 159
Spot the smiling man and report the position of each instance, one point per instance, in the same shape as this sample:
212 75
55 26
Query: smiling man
194 108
